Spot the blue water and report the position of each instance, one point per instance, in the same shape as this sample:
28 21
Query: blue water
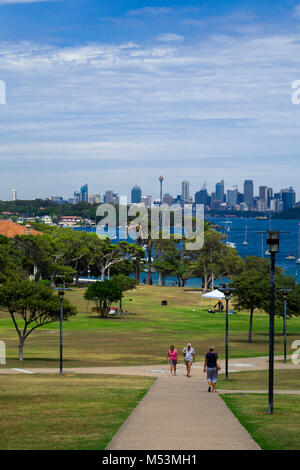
235 232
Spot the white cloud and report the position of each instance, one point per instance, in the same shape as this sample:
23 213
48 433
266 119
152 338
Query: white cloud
169 37
220 103
297 11
150 11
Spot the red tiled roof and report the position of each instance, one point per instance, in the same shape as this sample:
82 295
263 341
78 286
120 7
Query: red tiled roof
10 229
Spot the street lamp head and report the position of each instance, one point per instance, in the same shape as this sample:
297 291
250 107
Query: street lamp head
61 293
273 241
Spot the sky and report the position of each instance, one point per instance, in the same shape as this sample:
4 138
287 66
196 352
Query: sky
115 94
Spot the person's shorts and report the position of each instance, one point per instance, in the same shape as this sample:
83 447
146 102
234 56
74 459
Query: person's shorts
188 362
212 374
173 362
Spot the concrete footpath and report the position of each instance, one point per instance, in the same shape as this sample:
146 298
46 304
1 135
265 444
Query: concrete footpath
180 414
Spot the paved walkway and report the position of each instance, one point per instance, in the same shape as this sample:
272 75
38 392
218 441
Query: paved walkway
235 365
179 414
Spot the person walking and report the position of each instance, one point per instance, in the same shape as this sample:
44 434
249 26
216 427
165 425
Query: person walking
189 358
172 357
211 367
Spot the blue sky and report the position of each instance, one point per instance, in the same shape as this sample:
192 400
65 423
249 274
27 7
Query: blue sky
114 94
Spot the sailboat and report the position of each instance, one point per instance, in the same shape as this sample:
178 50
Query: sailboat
245 243
298 259
290 257
228 243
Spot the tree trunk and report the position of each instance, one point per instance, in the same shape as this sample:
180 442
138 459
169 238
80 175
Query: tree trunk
149 264
159 278
137 273
21 344
250 327
102 274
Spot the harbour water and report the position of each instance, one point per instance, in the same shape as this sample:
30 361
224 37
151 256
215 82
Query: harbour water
235 231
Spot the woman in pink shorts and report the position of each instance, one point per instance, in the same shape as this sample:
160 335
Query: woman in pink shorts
172 357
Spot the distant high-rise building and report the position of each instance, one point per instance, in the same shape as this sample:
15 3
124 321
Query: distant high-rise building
109 197
14 195
232 196
269 197
220 191
202 197
168 199
76 198
185 191
84 193
136 195
248 193
146 200
263 198
288 198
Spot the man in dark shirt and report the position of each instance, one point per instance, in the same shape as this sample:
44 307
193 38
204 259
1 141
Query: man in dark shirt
211 368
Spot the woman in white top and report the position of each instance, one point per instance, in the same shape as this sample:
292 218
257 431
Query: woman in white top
189 358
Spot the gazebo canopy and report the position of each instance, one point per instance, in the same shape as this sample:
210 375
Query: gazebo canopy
215 294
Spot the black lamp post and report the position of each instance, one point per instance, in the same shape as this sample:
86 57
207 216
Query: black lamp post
61 298
285 293
227 291
273 243
61 293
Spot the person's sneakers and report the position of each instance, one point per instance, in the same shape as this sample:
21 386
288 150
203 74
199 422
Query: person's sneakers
209 388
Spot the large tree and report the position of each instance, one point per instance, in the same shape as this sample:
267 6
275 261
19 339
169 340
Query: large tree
35 304
252 289
104 293
215 260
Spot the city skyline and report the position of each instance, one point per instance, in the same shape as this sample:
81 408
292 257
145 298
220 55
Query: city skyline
155 194
223 198
147 89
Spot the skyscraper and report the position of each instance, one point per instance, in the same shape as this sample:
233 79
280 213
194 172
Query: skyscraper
14 195
263 198
232 196
220 191
201 197
248 193
288 198
84 193
109 197
136 195
185 191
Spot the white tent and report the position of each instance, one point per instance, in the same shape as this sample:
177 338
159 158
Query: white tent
215 294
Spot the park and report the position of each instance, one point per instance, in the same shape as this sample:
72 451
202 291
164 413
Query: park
111 363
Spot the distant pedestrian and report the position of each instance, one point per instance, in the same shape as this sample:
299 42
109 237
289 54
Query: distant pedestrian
189 358
220 305
172 357
144 281
211 367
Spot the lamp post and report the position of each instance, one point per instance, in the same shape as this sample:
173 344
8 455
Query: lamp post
227 291
61 293
273 243
61 298
285 293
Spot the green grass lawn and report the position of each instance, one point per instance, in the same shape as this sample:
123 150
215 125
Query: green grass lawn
258 380
70 412
279 431
143 337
